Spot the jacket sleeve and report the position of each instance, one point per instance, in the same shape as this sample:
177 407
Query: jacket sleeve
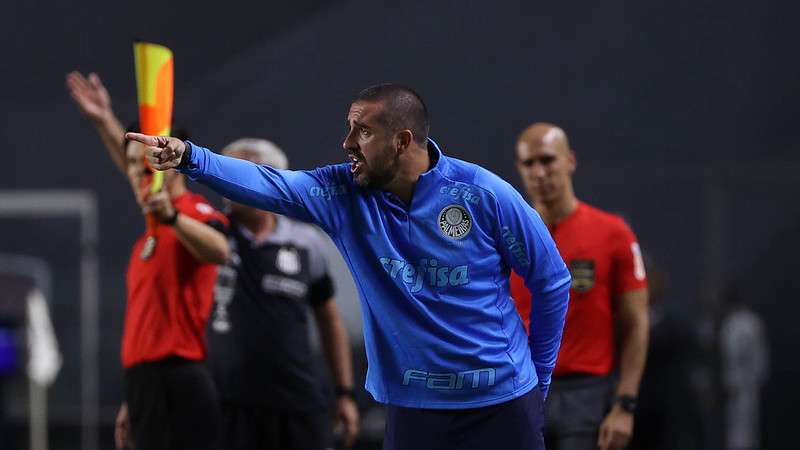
306 195
529 249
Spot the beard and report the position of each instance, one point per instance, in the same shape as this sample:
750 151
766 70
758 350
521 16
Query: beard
378 173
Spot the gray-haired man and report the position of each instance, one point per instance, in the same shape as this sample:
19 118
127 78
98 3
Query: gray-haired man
259 350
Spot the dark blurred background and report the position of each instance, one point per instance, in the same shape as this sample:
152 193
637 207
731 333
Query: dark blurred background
681 113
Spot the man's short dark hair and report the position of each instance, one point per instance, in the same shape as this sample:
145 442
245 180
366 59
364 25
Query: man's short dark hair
403 109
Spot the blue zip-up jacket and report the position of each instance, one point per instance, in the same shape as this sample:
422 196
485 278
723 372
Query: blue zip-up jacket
440 327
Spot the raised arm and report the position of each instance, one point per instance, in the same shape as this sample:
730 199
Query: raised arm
94 103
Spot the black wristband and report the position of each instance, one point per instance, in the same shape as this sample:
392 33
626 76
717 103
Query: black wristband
171 221
626 402
186 156
342 391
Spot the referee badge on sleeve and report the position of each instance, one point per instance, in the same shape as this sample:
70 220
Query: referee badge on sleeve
582 274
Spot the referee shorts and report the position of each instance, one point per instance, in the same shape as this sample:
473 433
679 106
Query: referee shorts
172 405
513 425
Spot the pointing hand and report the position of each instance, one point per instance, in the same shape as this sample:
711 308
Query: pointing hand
162 152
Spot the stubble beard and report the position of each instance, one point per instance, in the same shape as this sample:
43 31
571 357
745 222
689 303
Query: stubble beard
383 173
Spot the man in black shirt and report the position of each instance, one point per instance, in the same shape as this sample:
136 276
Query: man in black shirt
259 349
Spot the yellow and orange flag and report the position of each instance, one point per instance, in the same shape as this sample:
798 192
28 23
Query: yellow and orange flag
154 88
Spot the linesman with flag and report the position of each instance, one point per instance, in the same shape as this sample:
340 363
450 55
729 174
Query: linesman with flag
170 401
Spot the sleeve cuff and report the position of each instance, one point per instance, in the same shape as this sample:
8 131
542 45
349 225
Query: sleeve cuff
186 163
545 389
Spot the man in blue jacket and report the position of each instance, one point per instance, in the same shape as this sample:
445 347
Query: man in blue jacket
431 241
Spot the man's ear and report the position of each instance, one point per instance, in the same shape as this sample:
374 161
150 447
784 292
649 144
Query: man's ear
573 161
403 140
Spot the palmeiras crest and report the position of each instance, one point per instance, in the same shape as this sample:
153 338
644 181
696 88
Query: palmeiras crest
454 221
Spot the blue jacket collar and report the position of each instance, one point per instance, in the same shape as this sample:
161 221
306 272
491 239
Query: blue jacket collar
439 168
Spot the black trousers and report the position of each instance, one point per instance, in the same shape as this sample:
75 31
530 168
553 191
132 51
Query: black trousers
575 408
513 425
172 405
257 427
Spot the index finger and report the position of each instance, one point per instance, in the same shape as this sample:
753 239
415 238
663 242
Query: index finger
150 141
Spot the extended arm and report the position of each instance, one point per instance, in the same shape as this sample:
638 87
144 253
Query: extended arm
291 193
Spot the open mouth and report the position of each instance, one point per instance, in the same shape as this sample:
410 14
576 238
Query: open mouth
355 163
